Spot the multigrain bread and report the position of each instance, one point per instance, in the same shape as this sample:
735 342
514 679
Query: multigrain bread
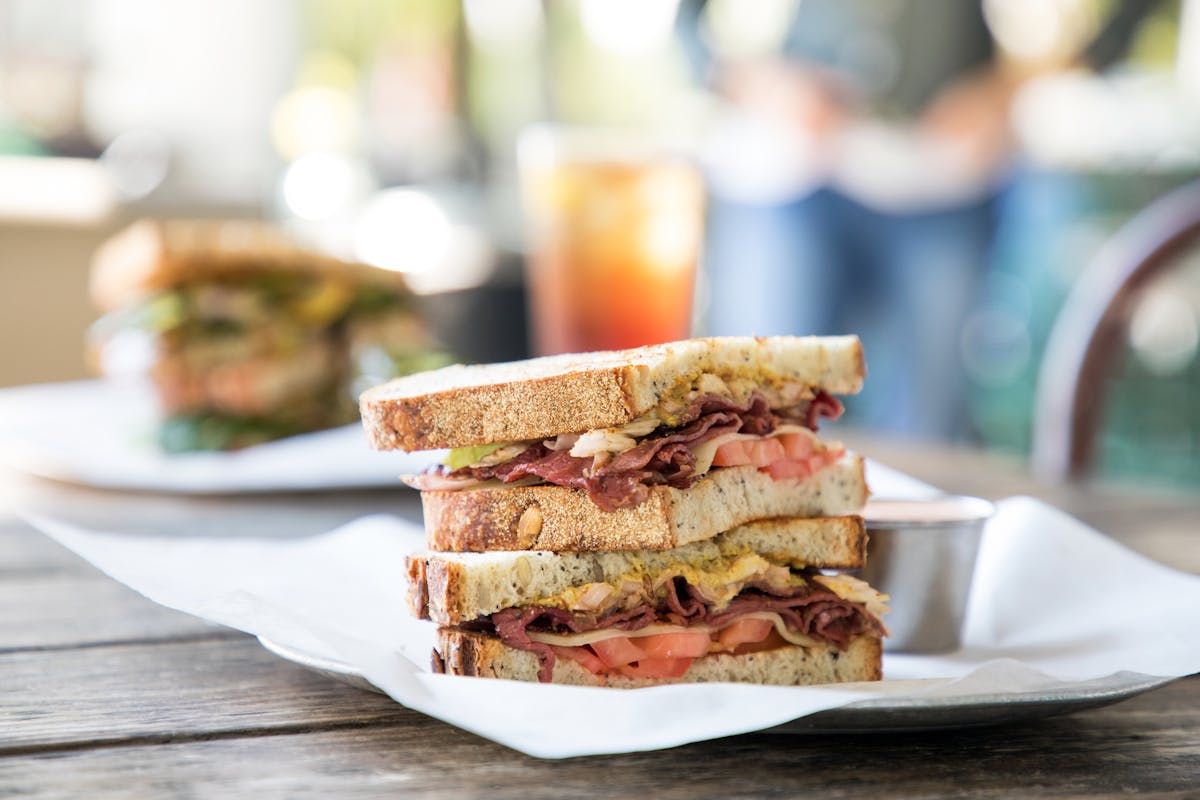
452 588
559 518
465 406
152 255
460 652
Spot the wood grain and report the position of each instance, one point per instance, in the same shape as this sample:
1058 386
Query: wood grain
182 709
22 553
1146 745
63 609
68 698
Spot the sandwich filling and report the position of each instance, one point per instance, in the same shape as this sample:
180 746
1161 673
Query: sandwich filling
619 466
657 626
242 359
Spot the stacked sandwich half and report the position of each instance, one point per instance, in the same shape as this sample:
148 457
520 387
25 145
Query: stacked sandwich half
664 514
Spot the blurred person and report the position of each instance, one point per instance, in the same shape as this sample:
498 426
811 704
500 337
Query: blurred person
854 180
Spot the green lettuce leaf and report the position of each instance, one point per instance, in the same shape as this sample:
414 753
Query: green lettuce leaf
466 456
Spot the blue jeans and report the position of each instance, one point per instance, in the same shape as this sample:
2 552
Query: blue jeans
825 264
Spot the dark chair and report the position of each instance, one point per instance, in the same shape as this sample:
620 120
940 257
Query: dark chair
1086 342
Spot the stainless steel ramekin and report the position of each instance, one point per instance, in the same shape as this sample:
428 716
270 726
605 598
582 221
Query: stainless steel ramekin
922 553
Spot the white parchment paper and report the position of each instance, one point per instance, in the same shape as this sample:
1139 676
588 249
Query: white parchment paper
1052 600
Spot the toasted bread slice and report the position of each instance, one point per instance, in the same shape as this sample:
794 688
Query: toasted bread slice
479 655
560 518
153 255
452 588
465 406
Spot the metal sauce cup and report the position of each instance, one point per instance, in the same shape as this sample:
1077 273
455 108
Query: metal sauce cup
922 553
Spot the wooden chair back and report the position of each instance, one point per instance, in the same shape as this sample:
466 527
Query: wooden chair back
1086 340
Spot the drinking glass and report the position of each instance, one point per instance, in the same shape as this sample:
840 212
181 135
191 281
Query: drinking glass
615 223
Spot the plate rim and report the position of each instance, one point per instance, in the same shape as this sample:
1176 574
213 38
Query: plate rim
854 717
27 451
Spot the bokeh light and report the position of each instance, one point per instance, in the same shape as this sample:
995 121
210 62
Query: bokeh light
318 186
403 230
628 26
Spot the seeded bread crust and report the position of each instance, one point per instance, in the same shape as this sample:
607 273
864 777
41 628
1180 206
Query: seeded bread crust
465 406
559 518
152 255
452 588
481 656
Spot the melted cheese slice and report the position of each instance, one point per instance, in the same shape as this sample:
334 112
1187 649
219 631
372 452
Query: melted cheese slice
857 590
844 586
580 639
718 580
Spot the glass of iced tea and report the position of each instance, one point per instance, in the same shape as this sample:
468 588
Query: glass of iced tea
615 222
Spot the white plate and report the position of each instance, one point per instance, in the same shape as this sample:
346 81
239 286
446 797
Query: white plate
887 714
101 433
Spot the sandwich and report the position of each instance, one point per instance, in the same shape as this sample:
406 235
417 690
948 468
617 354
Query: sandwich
649 448
748 605
662 514
245 335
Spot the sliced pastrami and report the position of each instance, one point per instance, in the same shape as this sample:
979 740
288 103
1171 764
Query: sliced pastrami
810 610
665 457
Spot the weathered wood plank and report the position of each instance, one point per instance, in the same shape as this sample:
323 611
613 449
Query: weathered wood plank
202 717
64 609
1146 745
24 551
110 694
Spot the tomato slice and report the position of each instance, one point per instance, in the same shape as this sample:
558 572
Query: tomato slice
797 446
773 641
582 656
743 631
754 452
788 456
675 645
617 651
657 668
764 451
786 469
731 454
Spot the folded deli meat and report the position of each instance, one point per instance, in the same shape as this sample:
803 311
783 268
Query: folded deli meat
618 466
659 633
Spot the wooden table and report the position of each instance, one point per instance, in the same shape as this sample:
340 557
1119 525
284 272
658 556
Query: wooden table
103 693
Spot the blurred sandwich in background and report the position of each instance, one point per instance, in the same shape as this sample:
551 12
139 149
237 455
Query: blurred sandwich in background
247 336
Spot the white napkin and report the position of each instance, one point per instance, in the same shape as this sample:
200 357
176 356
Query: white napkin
1052 601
